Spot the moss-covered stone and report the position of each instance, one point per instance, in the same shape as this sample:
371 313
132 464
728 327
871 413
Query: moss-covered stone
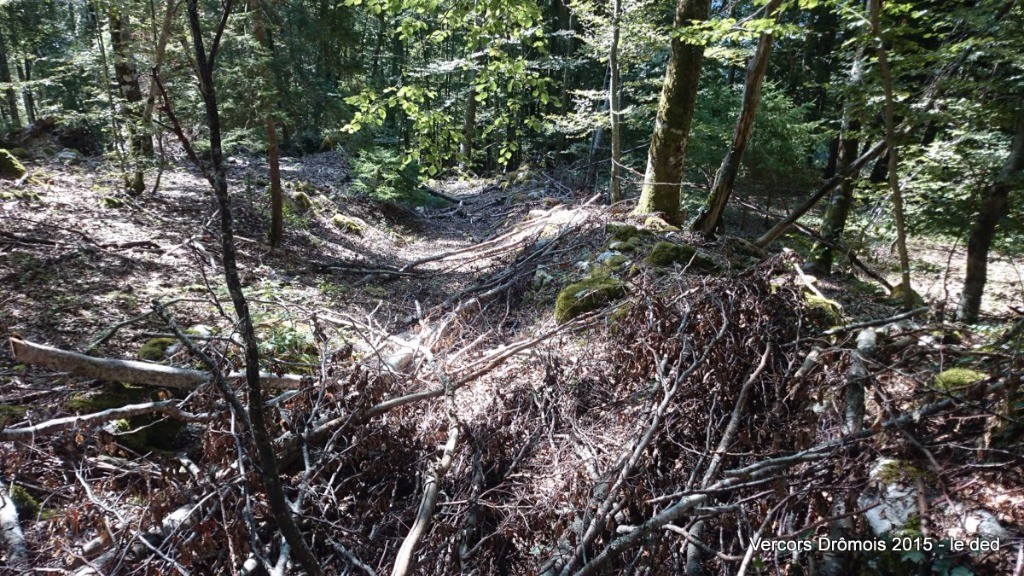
20 153
587 295
11 414
10 167
955 379
349 224
659 225
154 349
906 297
616 261
622 232
897 471
620 246
153 431
69 156
670 254
24 503
111 202
822 311
301 201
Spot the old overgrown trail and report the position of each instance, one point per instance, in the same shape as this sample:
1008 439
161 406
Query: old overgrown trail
511 378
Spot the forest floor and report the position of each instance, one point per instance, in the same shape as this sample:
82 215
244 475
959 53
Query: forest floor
463 291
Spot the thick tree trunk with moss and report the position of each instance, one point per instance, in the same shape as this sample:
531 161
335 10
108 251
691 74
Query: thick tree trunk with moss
711 217
995 206
662 180
5 77
615 186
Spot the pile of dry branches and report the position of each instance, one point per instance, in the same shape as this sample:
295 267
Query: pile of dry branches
683 426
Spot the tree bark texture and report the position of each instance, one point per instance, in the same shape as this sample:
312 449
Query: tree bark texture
995 206
663 178
725 178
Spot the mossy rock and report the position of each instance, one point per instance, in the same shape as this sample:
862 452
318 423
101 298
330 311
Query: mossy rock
27 195
587 295
897 471
623 232
670 254
111 202
301 201
349 224
20 153
11 414
155 431
24 503
822 311
955 379
906 297
658 224
69 156
10 167
156 348
616 261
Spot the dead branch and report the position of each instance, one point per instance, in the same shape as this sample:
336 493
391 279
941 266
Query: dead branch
739 477
877 322
432 485
171 408
134 371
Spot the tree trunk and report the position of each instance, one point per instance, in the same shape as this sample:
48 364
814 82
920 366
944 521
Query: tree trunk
663 178
615 186
874 10
711 218
158 60
834 225
596 141
128 79
5 76
995 206
273 152
851 170
469 126
25 76
217 174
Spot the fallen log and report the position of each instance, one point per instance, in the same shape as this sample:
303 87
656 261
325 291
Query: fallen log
133 371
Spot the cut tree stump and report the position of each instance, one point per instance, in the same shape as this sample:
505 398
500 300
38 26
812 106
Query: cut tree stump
132 371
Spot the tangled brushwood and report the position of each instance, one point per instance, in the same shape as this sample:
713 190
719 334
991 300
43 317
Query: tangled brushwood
668 433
